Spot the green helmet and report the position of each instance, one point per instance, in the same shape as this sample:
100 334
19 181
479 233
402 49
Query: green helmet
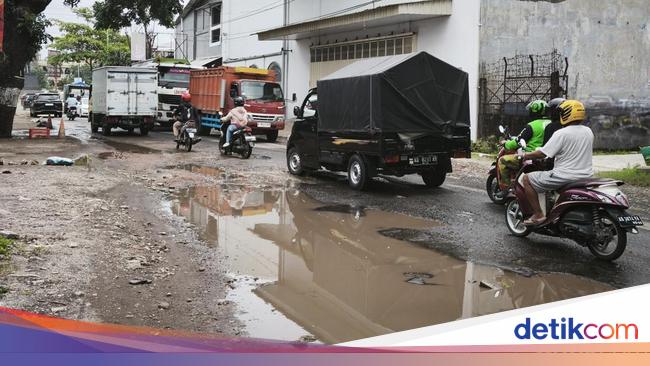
537 109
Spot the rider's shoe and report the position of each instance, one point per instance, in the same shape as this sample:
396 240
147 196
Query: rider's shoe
226 144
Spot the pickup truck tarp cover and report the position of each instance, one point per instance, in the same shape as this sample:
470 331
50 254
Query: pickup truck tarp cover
405 93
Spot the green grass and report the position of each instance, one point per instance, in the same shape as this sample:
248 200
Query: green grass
615 152
5 246
631 176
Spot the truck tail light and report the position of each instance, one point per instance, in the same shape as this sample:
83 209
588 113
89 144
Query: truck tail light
391 159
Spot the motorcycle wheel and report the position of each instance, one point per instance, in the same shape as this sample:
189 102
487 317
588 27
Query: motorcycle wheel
616 244
494 192
246 151
515 220
188 144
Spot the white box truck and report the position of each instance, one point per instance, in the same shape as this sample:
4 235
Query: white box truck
125 97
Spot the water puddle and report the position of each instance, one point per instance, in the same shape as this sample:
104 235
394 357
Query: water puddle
129 148
303 267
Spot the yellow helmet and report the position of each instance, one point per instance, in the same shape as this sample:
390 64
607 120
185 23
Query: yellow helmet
572 111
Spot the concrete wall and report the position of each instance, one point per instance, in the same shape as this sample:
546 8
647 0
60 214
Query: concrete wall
608 46
454 39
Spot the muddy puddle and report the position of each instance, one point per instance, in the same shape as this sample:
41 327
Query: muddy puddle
304 267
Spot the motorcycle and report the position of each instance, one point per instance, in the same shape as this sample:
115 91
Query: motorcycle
492 184
72 113
242 141
187 136
591 212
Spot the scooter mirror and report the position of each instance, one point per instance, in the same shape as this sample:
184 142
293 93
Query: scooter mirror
522 143
502 129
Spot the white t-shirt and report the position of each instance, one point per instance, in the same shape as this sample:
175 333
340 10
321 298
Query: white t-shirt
572 147
71 102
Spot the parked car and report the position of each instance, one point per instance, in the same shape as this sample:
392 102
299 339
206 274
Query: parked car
83 107
46 103
26 100
395 115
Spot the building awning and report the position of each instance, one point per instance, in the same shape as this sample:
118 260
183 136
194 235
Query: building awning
208 62
369 18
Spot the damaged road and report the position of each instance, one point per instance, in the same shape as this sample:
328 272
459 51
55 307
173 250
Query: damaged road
147 236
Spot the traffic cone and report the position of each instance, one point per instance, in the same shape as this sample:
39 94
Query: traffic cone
62 129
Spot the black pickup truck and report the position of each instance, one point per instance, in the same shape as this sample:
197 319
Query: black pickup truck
395 115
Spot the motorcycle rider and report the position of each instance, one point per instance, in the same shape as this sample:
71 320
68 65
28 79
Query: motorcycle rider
554 113
533 134
239 119
70 102
183 113
572 148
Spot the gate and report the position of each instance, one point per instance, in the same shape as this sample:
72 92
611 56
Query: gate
507 86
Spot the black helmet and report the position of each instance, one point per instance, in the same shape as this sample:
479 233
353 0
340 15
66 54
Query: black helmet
239 101
554 108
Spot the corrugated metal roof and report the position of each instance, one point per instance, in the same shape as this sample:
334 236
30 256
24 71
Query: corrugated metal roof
370 66
408 11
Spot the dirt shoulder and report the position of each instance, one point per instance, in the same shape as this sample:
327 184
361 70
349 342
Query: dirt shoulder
99 244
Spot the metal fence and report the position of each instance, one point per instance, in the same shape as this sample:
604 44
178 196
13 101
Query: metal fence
507 86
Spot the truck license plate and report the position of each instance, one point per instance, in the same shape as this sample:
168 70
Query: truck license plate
263 125
49 104
424 160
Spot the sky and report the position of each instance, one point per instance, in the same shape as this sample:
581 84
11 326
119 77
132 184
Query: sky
57 11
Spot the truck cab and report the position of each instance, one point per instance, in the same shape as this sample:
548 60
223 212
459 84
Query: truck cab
213 92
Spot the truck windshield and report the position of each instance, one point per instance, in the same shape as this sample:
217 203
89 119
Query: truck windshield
174 78
260 90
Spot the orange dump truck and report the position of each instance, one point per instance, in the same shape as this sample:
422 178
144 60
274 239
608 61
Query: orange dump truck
213 91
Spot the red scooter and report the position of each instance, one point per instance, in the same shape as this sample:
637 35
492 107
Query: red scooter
591 212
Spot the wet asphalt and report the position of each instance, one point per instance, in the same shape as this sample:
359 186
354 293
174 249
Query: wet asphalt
473 228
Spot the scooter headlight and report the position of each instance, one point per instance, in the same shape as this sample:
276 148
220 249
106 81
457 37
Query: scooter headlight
621 198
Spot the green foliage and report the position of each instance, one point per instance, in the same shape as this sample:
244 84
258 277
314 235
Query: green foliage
489 145
82 43
5 246
42 77
633 176
25 33
118 14
83 72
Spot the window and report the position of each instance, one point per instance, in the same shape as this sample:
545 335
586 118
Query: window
377 47
215 25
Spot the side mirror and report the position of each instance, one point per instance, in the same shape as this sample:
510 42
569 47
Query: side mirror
296 112
502 129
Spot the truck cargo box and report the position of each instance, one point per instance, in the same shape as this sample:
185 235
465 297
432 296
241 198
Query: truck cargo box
125 91
413 93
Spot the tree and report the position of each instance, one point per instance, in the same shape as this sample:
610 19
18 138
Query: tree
82 43
118 14
24 34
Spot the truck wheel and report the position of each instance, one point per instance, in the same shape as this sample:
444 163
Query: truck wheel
106 129
272 136
357 173
294 162
434 178
144 131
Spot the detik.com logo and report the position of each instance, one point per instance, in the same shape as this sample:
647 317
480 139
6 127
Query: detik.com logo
569 328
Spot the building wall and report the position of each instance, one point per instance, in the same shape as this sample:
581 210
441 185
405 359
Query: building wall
608 46
454 39
194 34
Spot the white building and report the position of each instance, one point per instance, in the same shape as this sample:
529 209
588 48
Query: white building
304 40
